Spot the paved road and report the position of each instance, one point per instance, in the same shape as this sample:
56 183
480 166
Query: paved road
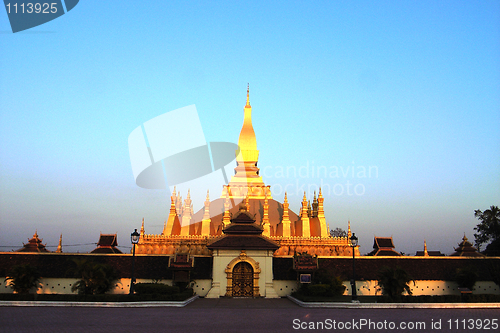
232 315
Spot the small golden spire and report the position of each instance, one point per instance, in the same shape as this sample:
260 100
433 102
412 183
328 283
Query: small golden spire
172 207
247 202
248 94
348 229
303 207
206 214
287 232
225 218
265 218
59 247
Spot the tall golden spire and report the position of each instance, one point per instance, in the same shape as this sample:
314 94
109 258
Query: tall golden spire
247 140
246 178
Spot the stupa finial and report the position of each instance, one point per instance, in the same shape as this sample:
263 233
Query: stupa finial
248 94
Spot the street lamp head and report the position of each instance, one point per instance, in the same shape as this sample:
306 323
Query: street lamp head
134 237
354 240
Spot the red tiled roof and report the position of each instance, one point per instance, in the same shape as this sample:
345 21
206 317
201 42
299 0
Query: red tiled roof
243 234
106 250
384 252
380 242
243 229
246 242
107 240
33 245
107 244
181 261
465 249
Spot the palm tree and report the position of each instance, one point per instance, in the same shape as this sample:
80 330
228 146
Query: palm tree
394 281
94 278
22 278
466 277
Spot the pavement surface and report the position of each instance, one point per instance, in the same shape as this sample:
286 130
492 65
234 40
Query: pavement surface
244 315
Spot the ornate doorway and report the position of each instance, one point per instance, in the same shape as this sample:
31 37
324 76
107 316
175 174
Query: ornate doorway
243 280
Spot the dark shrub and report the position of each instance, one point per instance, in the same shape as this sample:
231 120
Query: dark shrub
466 277
156 288
94 278
394 282
22 278
336 287
318 289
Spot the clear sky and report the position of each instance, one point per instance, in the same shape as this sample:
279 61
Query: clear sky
408 88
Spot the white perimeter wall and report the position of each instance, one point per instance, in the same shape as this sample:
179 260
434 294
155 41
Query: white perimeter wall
122 286
282 287
425 287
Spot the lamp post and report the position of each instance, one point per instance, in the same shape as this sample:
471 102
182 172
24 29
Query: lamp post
354 243
134 238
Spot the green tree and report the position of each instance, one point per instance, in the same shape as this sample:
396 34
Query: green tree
94 278
22 278
394 281
488 230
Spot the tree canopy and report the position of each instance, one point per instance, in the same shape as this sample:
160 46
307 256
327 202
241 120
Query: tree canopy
338 232
488 230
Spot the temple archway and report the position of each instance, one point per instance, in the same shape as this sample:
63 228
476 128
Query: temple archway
243 277
243 280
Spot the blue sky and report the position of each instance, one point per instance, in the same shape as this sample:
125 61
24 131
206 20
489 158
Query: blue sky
411 89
